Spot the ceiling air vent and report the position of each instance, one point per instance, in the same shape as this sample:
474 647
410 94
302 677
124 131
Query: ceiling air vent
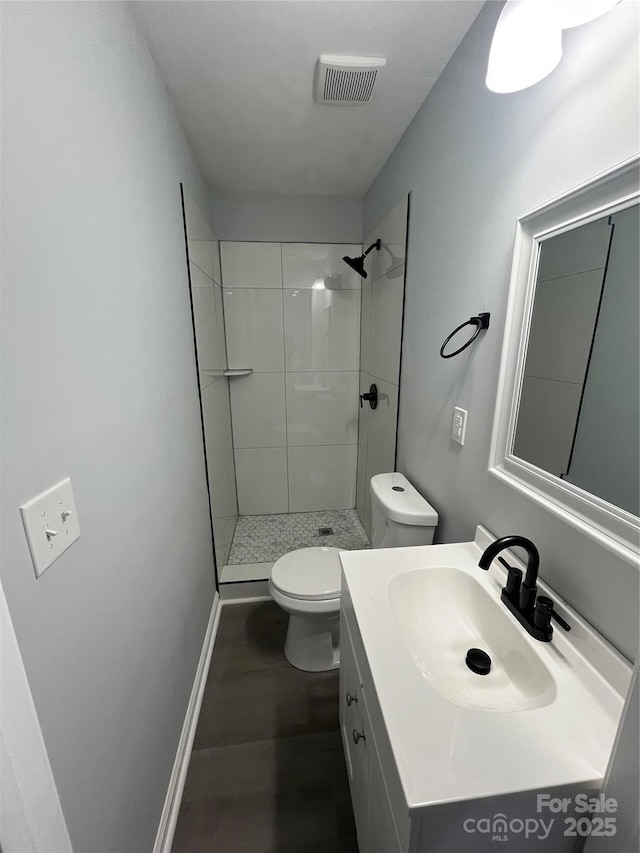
343 80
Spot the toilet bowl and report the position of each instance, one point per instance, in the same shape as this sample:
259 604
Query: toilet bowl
306 582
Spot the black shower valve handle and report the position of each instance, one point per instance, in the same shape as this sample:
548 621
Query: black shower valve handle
371 396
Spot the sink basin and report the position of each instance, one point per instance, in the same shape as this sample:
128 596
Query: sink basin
441 613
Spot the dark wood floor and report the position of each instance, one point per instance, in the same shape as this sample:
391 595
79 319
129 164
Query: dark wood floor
267 772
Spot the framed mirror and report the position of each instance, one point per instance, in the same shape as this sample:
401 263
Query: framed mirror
566 429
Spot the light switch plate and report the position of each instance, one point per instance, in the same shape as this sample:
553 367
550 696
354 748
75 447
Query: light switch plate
51 524
459 427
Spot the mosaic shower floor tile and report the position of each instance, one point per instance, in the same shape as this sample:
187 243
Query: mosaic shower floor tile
265 538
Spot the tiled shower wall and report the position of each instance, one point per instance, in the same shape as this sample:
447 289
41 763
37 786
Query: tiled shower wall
206 293
292 314
380 351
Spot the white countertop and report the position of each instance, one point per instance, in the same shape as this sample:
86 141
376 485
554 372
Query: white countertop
446 753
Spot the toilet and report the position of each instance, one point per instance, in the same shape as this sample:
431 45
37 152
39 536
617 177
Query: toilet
306 583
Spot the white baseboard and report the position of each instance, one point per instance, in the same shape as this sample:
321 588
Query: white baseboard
169 817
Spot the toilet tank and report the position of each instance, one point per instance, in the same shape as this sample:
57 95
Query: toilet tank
400 516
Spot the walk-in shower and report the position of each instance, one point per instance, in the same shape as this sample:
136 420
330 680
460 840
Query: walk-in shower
286 335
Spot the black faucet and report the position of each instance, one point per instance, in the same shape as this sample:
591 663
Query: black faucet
520 595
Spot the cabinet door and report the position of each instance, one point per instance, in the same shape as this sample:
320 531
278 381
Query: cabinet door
359 750
349 684
354 736
381 829
350 698
371 808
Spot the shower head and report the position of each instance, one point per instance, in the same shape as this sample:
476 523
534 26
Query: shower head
357 264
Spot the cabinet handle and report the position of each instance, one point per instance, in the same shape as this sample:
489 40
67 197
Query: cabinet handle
351 699
358 736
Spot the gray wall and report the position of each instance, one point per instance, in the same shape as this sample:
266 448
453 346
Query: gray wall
271 217
474 161
99 383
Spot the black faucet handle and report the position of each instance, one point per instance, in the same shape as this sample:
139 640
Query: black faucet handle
544 605
514 579
542 613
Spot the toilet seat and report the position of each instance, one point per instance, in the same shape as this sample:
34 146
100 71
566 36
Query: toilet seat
308 574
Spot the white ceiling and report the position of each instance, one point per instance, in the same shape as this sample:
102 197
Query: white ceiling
241 76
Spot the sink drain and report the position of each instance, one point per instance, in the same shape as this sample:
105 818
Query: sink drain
478 661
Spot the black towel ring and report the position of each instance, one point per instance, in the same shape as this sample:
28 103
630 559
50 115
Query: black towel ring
481 321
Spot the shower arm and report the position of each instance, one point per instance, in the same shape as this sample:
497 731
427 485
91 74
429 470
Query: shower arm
375 245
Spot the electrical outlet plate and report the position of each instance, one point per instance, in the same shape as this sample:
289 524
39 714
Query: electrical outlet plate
459 427
51 524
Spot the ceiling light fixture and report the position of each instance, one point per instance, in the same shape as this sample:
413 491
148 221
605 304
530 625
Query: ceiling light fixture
526 47
527 43
574 13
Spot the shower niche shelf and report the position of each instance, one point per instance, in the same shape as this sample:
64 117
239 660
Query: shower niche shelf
244 371
238 371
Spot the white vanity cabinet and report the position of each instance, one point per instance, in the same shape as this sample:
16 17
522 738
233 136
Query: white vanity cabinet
457 773
372 809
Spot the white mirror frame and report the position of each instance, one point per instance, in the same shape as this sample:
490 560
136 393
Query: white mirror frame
613 527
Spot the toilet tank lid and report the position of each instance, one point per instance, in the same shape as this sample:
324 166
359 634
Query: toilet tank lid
406 506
